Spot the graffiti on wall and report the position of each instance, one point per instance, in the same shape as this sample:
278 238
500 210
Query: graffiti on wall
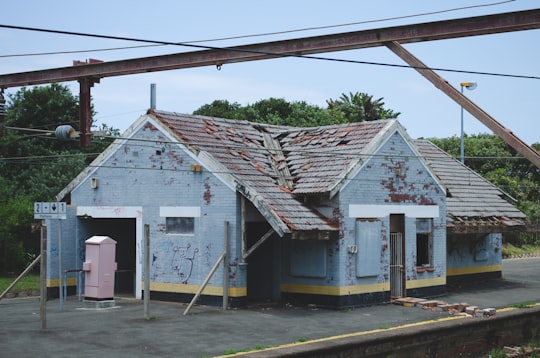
174 260
182 262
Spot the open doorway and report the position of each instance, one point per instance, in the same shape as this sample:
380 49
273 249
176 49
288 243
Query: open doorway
263 265
123 231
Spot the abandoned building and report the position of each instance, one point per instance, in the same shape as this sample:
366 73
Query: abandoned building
338 216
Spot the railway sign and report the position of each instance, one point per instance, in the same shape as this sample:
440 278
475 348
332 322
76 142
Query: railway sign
50 210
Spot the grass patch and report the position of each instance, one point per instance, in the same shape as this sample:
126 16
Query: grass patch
497 353
27 283
526 304
250 349
526 249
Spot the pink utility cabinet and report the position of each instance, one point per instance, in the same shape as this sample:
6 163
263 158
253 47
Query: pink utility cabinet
99 268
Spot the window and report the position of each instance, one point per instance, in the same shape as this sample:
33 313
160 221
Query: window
424 242
180 225
180 220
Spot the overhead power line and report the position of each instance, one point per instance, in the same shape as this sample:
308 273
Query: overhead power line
151 143
283 55
325 27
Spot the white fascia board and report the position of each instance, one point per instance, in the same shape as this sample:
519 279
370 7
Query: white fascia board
109 212
380 211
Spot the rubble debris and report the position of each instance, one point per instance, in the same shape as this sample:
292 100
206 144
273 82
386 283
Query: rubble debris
457 309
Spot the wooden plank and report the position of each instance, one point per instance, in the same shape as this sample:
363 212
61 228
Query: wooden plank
257 244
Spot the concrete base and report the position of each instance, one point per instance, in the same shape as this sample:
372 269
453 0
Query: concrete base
99 304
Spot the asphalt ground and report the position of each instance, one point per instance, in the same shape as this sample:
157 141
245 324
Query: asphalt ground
122 331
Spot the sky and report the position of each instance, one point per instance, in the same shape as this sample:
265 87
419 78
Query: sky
425 111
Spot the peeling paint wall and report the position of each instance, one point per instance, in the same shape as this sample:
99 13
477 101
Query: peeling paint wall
393 176
153 174
471 254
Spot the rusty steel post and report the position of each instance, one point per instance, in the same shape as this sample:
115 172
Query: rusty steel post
85 115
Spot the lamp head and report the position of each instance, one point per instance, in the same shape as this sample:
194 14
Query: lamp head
469 85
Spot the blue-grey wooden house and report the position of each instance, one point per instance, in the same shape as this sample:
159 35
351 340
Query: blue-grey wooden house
340 215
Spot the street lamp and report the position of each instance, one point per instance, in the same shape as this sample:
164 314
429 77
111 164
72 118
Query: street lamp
470 86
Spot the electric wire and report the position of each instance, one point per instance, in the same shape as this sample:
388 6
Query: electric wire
325 27
283 55
258 52
257 178
253 177
201 144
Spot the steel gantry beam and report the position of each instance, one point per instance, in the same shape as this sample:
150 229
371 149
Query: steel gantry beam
89 73
473 26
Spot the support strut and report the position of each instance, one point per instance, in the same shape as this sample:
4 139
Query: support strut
510 138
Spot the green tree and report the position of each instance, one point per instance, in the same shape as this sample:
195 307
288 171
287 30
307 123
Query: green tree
37 162
359 107
34 165
499 163
349 108
271 111
220 108
16 215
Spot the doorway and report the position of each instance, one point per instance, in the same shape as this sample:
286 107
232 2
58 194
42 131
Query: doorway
123 231
263 265
397 256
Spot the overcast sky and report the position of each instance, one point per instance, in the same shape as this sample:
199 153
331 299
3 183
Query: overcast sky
425 111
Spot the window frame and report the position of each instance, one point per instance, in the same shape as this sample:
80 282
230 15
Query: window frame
424 234
187 221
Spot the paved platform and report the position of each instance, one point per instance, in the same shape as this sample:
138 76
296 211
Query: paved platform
122 331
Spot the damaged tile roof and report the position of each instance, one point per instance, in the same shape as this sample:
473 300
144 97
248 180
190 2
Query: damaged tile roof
279 164
471 199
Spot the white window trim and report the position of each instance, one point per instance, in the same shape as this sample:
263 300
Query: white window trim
180 211
379 211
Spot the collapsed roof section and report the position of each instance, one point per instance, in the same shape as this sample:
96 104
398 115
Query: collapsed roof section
277 167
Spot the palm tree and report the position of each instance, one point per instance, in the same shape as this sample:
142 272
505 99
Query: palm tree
359 107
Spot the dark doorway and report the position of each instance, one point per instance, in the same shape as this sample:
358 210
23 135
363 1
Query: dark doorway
123 231
261 263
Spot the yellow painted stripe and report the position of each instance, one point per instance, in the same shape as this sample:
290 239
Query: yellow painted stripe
171 287
473 270
428 282
335 290
348 335
54 282
192 289
358 289
363 333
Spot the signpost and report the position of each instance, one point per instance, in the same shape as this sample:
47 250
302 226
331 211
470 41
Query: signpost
50 210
